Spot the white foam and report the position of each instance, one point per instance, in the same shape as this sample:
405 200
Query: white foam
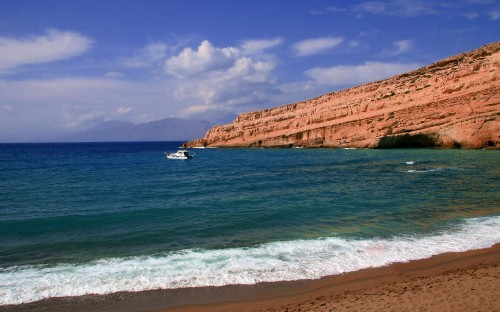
424 171
279 261
410 163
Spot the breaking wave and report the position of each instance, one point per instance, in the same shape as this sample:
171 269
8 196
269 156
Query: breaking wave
277 261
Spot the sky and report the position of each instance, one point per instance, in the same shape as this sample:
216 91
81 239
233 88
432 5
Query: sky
66 66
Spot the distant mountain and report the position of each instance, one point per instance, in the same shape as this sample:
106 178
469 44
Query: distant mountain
168 129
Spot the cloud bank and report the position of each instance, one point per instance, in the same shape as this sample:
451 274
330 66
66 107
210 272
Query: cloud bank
222 78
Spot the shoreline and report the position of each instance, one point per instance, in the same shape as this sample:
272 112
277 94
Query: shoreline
465 280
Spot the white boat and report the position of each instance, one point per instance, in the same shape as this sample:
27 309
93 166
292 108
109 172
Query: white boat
180 154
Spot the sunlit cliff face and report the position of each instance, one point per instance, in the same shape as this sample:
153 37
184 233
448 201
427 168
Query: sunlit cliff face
451 103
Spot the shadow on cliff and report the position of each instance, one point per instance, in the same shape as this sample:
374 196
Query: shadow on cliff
407 141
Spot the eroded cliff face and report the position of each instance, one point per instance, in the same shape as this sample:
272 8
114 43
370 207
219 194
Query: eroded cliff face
451 103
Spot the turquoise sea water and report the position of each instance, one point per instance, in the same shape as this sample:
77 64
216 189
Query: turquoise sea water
87 218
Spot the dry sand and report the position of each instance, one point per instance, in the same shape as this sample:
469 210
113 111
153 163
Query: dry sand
468 281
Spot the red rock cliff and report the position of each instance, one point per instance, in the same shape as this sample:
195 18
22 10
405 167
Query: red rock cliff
451 103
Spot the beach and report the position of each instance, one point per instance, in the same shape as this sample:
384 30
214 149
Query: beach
466 281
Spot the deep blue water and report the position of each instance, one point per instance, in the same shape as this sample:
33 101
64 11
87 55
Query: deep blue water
83 218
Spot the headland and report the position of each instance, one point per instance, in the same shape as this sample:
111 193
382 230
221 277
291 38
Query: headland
452 103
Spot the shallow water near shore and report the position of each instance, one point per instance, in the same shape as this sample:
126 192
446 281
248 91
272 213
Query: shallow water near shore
87 218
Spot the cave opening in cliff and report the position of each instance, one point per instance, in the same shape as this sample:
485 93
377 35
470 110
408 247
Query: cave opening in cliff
407 141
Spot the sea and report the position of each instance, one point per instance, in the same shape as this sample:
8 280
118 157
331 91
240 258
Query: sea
100 218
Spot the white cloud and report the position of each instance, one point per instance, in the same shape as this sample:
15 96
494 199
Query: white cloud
151 55
53 46
113 74
316 45
6 109
494 15
335 9
355 75
124 110
411 8
373 7
77 116
316 12
257 46
206 58
471 15
399 47
399 7
328 9
197 109
246 82
403 46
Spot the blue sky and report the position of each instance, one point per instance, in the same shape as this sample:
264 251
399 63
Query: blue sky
69 65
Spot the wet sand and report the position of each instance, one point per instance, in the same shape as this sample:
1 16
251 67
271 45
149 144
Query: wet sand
468 281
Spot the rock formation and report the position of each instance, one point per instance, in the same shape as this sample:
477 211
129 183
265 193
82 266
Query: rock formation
451 103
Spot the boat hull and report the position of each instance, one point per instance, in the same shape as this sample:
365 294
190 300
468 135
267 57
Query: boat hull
181 154
178 157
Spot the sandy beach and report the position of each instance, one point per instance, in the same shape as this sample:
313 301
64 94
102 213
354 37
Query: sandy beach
468 281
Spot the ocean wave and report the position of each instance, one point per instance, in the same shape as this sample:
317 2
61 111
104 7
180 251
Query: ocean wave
277 261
